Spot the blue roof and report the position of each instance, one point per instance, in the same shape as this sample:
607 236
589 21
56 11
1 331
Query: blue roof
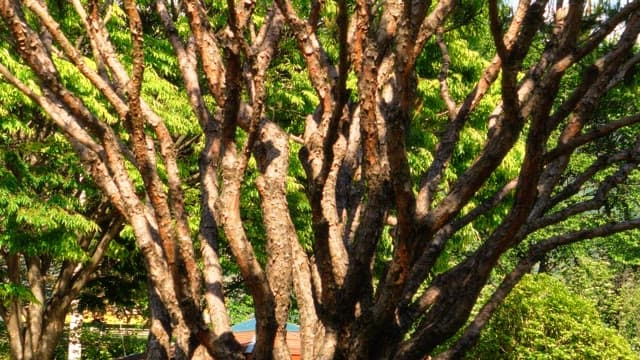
250 325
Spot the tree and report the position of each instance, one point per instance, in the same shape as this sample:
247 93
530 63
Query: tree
361 178
54 229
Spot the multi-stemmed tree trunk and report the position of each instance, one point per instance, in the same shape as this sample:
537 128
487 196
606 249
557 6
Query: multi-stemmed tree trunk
360 182
35 323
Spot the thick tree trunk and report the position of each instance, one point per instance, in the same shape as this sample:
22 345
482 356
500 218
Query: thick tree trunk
13 315
361 181
34 329
51 336
272 153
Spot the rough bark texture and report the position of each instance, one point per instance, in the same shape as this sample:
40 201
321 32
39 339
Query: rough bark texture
362 181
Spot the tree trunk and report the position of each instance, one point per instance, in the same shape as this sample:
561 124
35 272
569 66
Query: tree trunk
74 351
365 189
159 340
271 151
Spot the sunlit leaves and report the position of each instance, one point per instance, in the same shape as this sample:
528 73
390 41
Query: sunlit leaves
38 212
40 178
10 291
541 319
297 201
290 95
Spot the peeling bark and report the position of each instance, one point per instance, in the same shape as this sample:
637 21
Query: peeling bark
359 172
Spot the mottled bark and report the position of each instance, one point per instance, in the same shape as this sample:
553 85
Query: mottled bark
272 154
159 339
360 178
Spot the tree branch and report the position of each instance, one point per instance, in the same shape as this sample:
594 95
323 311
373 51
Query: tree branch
81 277
496 30
430 253
598 200
212 63
595 134
444 88
471 334
76 58
444 150
429 26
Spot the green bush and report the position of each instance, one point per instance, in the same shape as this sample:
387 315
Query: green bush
542 319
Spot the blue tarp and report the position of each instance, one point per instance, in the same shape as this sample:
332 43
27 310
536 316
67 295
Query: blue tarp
250 325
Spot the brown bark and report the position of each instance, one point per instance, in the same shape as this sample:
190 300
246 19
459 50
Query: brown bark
272 153
13 313
447 143
159 339
113 157
35 328
212 273
356 157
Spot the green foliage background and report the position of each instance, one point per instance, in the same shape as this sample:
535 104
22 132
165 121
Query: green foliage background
542 319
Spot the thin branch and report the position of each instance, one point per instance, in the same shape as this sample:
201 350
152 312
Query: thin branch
208 50
581 105
187 64
444 88
496 30
137 54
472 332
321 72
232 37
244 11
314 14
597 201
429 26
624 70
596 38
430 253
535 253
65 121
446 146
76 58
595 134
81 277
343 57
145 154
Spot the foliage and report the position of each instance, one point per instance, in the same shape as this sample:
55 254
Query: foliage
40 180
393 215
120 282
628 314
605 272
102 343
9 291
542 319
